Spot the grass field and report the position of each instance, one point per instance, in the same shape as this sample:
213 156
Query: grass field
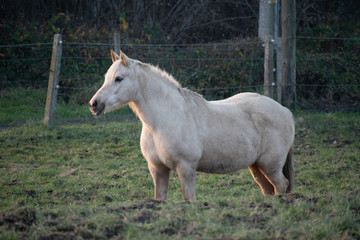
90 181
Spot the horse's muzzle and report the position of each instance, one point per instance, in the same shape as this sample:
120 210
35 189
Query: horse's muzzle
97 109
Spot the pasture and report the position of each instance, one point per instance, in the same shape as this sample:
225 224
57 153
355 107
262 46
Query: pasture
90 181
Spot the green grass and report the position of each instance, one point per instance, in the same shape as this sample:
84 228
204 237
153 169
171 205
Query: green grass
90 181
24 106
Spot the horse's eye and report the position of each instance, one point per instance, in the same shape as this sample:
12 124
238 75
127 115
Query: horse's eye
118 79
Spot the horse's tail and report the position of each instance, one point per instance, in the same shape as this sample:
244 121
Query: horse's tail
288 170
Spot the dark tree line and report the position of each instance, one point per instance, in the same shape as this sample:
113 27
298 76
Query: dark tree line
177 20
174 20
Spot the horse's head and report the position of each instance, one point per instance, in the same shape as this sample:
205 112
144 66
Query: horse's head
119 88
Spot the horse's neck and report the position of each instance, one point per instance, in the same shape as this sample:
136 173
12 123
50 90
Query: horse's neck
158 104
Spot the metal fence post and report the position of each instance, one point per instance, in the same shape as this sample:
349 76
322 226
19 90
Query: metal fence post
53 82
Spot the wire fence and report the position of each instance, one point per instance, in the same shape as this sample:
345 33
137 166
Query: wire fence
328 75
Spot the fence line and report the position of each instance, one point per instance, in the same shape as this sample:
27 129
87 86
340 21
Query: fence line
166 44
178 59
24 59
215 70
170 44
328 38
25 45
94 88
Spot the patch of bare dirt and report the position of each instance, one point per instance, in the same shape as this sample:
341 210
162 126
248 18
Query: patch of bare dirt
20 220
147 204
292 197
57 236
115 230
143 216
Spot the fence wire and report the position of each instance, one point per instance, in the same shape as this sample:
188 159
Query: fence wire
328 75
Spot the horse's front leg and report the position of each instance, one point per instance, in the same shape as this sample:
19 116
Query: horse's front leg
160 177
187 176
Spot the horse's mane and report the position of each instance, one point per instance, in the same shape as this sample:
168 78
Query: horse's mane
170 81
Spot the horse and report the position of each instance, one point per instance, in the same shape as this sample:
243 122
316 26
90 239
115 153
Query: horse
183 132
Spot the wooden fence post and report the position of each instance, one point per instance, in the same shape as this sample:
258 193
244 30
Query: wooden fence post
267 29
117 43
269 67
277 49
53 82
288 20
278 68
266 19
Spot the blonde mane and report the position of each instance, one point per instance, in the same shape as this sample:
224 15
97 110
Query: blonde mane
170 81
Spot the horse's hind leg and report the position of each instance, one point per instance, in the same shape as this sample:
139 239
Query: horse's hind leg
276 178
266 187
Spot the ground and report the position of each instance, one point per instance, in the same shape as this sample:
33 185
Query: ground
90 181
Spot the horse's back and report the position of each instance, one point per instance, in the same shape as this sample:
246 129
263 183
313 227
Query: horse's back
266 114
262 110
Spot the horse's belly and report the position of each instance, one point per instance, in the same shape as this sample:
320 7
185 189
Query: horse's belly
226 162
230 146
220 166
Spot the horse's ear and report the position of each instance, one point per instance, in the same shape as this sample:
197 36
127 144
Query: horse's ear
123 58
114 56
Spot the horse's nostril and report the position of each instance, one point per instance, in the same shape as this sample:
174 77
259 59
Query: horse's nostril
94 105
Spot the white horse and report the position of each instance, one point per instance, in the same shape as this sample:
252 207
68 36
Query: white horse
181 131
